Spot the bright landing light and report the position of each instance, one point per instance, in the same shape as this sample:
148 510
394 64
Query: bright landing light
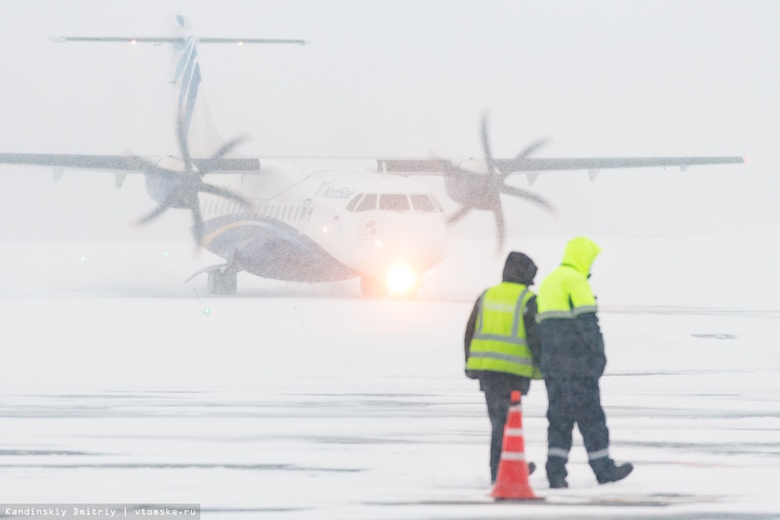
401 279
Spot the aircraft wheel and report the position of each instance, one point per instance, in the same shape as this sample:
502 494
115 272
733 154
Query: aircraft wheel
222 281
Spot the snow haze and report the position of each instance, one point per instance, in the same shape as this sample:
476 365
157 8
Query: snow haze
287 402
123 384
409 79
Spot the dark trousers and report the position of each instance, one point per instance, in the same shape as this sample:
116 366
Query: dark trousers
575 401
498 393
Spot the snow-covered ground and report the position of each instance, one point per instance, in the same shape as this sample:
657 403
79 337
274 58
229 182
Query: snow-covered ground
122 384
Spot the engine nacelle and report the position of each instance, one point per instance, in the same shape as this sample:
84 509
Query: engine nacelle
160 185
469 187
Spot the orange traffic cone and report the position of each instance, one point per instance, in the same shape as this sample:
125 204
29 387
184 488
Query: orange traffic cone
512 478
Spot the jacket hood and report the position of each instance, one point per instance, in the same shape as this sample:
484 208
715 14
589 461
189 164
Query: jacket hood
519 268
580 253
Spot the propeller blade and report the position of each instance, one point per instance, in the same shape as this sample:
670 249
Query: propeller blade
521 193
225 148
219 154
197 225
531 148
159 210
458 214
226 193
528 150
486 145
500 228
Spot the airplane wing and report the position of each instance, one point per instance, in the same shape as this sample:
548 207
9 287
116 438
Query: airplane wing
472 190
123 163
170 39
530 165
129 164
482 191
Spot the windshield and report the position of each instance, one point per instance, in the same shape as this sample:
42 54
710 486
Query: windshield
393 202
368 203
421 202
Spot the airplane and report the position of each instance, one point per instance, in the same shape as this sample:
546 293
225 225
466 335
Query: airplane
315 219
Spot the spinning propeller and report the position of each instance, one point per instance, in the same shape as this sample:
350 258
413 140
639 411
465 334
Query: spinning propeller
477 191
187 183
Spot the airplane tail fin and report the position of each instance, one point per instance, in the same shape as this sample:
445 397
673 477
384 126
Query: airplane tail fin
191 108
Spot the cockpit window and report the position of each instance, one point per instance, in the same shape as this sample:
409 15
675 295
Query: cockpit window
436 203
353 202
368 203
421 202
394 202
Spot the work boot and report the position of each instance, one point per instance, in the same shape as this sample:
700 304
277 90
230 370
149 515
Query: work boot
557 482
556 473
614 473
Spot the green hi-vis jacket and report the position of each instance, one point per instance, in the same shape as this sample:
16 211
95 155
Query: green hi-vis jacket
569 332
499 341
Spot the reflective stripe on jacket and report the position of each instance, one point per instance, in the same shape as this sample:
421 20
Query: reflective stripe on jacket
499 341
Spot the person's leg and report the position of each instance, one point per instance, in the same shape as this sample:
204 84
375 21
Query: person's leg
560 417
595 435
498 408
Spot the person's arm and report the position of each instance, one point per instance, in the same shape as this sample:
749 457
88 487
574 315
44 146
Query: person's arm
584 307
471 325
531 331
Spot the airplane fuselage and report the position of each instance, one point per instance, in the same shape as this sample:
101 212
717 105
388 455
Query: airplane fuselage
326 225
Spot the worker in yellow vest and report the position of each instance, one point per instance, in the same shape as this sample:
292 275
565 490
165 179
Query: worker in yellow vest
500 345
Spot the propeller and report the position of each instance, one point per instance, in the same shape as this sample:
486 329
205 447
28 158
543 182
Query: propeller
187 183
483 191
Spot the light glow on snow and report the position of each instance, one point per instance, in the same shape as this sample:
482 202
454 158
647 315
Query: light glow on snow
401 279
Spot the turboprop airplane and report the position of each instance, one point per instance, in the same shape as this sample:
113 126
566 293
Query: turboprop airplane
315 220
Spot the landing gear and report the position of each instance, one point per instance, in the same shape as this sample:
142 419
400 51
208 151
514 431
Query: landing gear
222 281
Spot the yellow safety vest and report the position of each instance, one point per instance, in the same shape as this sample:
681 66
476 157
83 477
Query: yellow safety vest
499 342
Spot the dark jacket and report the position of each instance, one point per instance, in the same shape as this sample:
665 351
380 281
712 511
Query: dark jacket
571 341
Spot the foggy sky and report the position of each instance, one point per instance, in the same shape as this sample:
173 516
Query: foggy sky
408 79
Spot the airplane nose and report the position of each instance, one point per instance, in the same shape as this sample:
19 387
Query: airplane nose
418 241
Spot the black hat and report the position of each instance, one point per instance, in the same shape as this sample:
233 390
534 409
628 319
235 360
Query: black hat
519 268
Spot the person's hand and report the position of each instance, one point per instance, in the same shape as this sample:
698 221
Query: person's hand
471 374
